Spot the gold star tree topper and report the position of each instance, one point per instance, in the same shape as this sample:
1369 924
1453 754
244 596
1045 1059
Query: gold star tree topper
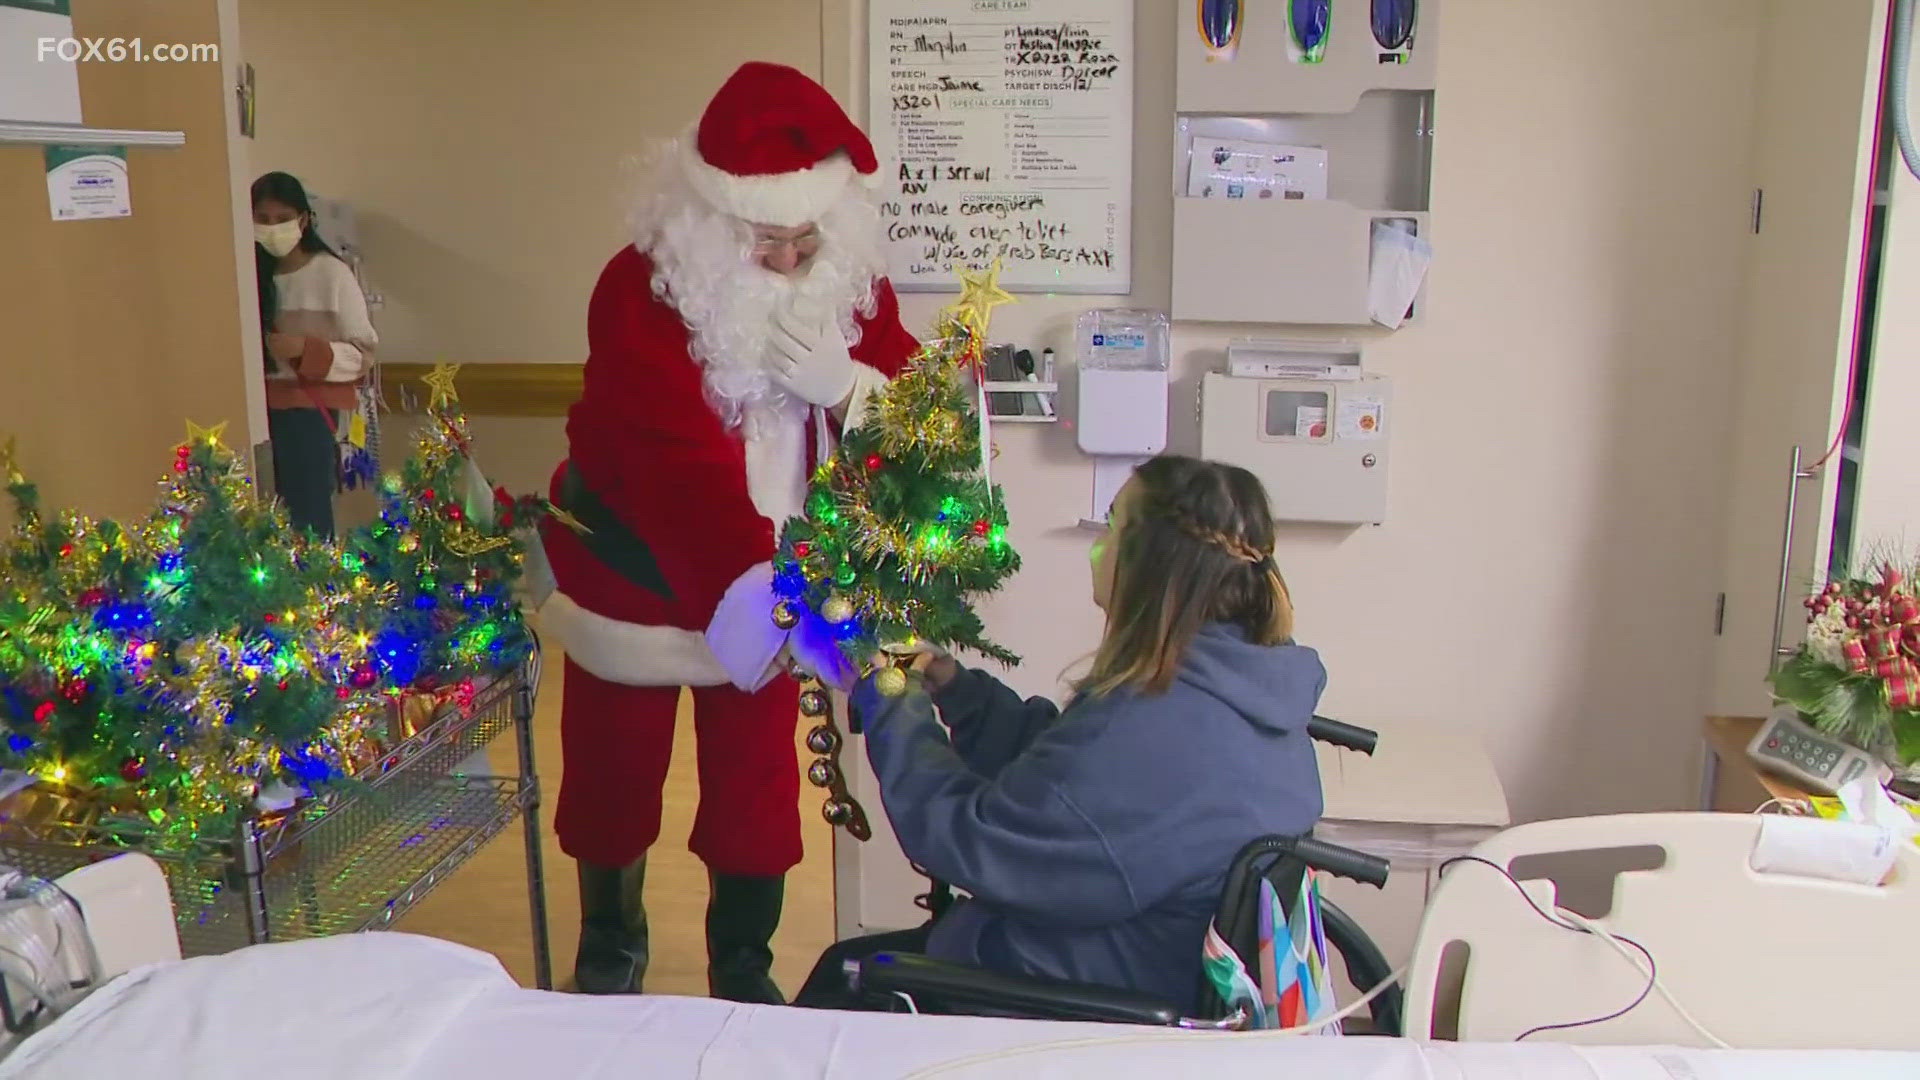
440 381
197 434
980 293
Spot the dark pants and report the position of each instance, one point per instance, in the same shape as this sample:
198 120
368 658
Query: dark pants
306 467
827 988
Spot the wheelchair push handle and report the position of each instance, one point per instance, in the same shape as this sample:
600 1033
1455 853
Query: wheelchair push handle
1344 861
1344 735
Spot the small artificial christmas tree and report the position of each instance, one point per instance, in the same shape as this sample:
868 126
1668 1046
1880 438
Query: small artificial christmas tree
75 642
445 540
170 672
902 528
902 525
269 631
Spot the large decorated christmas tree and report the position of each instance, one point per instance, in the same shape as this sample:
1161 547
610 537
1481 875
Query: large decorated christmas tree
903 529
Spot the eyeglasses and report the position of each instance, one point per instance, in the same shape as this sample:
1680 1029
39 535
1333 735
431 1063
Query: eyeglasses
804 243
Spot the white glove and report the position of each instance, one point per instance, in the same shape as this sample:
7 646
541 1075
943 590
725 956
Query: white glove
811 363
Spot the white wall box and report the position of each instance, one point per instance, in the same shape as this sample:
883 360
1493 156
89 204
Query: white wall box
1285 238
1309 422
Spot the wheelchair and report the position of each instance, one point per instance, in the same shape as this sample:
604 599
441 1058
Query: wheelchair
920 983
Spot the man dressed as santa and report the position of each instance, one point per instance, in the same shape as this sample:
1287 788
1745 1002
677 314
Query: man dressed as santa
727 344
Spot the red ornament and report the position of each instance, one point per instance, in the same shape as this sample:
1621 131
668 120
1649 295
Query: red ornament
180 466
66 550
803 549
982 527
75 690
270 617
363 676
426 495
342 693
132 769
93 597
43 712
281 685
454 513
183 451
874 461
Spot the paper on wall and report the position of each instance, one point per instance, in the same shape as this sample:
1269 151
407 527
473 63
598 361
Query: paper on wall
86 182
1358 418
1239 169
1397 270
1310 422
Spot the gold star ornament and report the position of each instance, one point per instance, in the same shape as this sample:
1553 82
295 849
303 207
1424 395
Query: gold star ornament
197 434
10 462
440 381
980 293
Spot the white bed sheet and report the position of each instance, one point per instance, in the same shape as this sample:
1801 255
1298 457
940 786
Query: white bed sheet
411 1008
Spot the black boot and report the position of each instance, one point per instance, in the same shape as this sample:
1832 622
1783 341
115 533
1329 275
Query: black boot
742 913
613 929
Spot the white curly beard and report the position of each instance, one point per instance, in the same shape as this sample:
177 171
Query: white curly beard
704 266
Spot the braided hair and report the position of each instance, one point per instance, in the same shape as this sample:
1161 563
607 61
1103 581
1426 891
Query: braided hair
1195 546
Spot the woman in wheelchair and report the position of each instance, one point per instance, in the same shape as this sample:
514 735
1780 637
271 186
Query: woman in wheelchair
1093 841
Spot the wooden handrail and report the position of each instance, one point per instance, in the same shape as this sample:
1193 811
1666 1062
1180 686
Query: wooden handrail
490 389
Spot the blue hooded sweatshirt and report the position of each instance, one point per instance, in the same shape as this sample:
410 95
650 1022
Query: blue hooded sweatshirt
1094 843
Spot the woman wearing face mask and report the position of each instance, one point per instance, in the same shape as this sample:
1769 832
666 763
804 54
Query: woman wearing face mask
319 347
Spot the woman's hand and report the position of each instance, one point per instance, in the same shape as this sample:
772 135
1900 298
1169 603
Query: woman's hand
933 664
285 348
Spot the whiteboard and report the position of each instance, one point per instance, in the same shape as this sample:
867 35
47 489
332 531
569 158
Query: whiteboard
1004 130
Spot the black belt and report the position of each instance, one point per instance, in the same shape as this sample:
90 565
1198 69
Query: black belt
608 538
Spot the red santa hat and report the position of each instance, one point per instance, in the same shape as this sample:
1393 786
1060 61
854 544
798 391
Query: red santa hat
774 148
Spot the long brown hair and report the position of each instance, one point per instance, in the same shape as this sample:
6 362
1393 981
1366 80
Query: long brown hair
1195 547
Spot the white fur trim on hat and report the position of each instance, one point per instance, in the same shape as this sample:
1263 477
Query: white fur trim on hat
629 653
784 201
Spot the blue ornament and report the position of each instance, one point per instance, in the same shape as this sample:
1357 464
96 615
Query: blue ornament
19 744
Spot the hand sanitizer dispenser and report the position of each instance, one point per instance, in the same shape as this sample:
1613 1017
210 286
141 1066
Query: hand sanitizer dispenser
1122 357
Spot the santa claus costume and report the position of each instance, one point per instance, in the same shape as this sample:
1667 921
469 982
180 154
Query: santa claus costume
712 386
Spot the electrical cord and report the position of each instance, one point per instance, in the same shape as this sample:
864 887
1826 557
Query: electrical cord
1578 924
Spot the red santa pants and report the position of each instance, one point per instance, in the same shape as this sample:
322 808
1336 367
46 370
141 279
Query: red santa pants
617 741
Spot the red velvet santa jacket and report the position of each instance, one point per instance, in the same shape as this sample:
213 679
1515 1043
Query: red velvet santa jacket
646 444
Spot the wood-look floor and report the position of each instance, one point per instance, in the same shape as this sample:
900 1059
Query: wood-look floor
484 905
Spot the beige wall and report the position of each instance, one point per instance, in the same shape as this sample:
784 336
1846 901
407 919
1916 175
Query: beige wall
482 143
113 332
1546 580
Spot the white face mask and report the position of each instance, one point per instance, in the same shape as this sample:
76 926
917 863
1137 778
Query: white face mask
278 239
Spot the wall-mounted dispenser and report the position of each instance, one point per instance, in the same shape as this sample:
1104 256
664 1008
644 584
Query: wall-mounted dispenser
1122 356
1309 422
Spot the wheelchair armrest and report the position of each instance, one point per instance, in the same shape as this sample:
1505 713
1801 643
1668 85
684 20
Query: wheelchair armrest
976 991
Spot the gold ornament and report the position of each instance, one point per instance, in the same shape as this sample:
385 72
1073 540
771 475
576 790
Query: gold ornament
891 682
409 543
837 609
784 616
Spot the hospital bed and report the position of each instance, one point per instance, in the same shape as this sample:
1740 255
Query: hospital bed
401 1006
